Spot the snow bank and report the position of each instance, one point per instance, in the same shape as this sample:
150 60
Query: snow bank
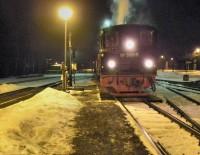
40 125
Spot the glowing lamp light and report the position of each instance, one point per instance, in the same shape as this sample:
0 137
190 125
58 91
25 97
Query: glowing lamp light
148 63
162 57
129 44
111 64
65 13
196 52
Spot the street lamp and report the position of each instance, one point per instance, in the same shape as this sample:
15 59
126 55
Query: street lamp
196 56
162 62
196 52
65 14
162 56
172 63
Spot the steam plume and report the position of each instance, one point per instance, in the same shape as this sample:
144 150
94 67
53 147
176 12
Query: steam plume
131 11
120 9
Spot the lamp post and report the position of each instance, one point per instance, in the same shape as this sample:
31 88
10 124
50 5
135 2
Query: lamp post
196 56
162 57
65 14
172 64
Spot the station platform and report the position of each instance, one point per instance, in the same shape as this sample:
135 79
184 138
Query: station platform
177 75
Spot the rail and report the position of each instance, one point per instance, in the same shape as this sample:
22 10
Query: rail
183 95
178 85
183 114
155 144
182 124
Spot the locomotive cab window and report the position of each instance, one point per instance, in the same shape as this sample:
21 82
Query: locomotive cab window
111 40
146 38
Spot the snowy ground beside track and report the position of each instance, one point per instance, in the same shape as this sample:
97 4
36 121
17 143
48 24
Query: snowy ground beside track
177 75
17 79
6 87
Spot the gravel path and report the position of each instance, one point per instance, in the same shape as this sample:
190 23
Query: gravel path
104 130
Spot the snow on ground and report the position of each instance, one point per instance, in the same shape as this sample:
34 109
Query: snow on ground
85 82
38 82
177 141
82 79
177 75
40 125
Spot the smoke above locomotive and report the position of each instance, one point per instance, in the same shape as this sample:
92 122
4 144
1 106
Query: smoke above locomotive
131 12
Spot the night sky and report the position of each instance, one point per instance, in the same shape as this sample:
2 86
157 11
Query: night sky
30 30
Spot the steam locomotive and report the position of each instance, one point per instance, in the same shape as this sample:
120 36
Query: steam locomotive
125 62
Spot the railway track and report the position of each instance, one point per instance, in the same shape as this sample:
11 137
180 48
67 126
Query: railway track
187 85
183 114
10 98
159 148
179 87
194 103
179 110
192 128
182 124
178 91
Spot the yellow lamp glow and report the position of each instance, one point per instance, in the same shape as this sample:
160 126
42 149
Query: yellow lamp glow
198 50
65 13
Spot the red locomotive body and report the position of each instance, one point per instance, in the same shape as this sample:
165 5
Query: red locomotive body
125 63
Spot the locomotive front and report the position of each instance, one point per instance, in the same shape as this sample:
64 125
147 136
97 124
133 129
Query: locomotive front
125 64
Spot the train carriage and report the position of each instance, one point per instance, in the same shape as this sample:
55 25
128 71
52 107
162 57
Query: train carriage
125 62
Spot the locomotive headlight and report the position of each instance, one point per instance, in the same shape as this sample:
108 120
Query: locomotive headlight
149 63
111 64
129 44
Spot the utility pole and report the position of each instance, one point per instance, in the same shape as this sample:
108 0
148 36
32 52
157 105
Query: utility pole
70 59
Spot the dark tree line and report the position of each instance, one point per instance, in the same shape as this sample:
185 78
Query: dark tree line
21 51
